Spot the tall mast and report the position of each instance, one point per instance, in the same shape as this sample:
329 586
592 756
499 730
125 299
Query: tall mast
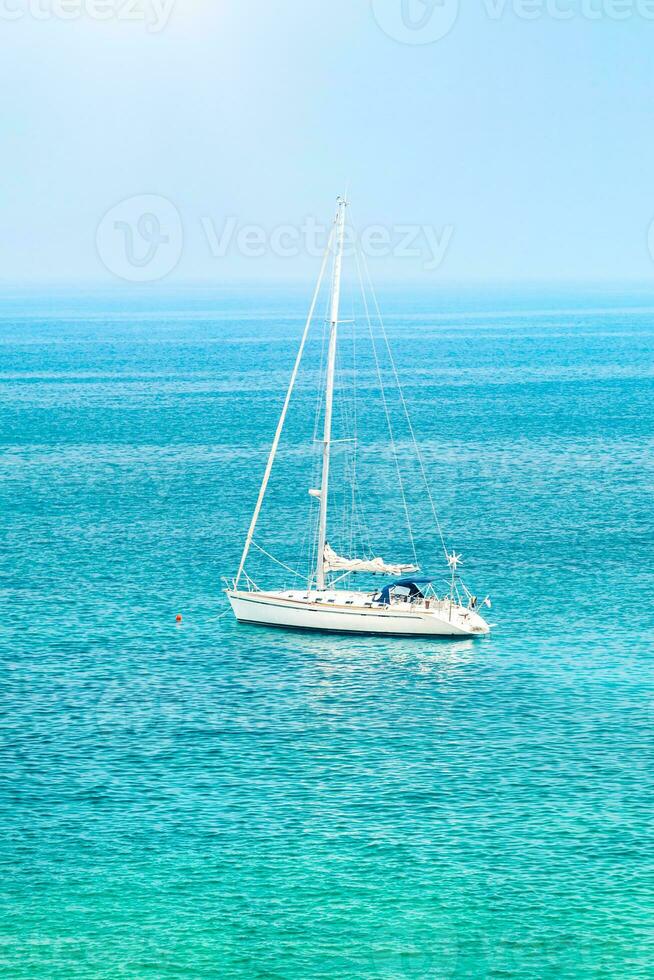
282 418
329 390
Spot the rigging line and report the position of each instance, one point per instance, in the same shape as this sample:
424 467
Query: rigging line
337 485
360 522
304 546
311 528
359 517
359 536
321 379
282 418
347 484
355 421
358 509
311 535
312 523
386 412
356 516
343 409
406 410
272 558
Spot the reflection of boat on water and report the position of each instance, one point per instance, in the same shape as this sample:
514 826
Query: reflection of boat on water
409 604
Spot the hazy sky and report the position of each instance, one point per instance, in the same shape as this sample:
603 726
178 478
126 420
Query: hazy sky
518 145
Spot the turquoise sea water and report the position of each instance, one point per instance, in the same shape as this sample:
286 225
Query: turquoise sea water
208 800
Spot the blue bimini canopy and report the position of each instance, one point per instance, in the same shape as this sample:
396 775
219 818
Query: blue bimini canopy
412 584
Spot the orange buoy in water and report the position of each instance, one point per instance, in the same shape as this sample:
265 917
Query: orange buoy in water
178 618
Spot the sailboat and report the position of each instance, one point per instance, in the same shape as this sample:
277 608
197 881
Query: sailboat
408 602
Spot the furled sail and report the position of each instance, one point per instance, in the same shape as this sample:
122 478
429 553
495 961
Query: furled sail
377 566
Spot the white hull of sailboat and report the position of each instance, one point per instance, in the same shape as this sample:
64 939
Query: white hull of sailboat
332 615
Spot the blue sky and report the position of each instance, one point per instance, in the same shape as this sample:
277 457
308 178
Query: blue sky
525 146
